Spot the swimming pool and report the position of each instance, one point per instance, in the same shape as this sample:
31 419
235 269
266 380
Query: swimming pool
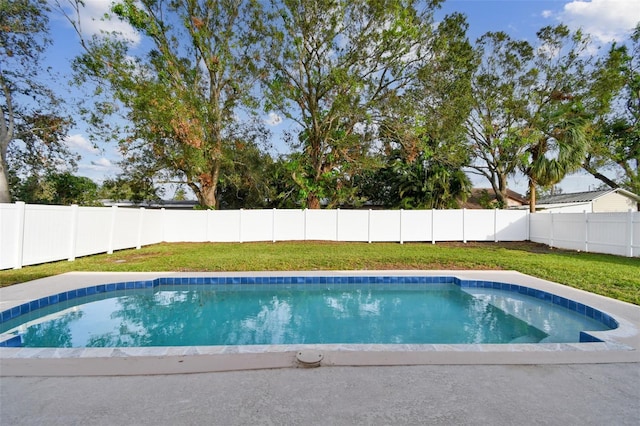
621 344
286 310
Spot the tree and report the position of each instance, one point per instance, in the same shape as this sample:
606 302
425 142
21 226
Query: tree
184 96
559 110
425 182
332 62
500 92
57 188
422 135
244 181
616 144
31 125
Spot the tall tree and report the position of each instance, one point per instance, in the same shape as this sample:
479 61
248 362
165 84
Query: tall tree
332 63
560 108
31 125
500 92
184 97
616 143
422 136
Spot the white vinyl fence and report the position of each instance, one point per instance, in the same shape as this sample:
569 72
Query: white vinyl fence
613 233
32 234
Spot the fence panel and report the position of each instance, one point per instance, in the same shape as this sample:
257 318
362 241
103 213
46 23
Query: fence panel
386 225
126 226
607 233
289 225
612 233
222 225
569 230
185 225
96 222
256 225
479 225
321 225
634 244
151 232
447 225
512 225
540 228
9 235
416 225
353 225
47 234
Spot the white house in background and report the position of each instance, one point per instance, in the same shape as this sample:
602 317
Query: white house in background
608 200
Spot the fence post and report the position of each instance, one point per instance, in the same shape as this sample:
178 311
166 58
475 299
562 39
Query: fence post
273 226
401 240
207 219
433 235
586 231
114 212
305 224
337 224
369 226
551 230
140 224
629 250
464 237
163 220
74 233
495 225
240 225
19 254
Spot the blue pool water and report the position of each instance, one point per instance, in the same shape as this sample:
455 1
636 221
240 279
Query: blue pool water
386 311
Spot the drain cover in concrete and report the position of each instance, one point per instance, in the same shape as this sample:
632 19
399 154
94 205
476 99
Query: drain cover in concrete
309 358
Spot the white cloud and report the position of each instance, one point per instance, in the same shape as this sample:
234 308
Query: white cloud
93 22
547 13
81 144
102 162
273 119
102 165
605 20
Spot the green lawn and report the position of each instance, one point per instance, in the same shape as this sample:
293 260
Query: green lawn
613 276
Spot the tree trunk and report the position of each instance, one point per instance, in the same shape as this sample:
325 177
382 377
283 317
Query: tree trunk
501 194
313 202
208 192
532 196
5 195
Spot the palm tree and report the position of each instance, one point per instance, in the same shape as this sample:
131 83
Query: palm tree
557 152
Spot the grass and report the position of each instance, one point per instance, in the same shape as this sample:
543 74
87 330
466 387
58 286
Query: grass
612 276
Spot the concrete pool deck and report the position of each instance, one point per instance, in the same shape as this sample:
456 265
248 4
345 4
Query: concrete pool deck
578 394
621 345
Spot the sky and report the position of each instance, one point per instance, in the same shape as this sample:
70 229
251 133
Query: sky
605 20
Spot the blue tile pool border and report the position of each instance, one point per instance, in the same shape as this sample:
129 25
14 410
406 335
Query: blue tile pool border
299 282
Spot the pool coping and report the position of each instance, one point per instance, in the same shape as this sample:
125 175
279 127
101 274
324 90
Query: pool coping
619 345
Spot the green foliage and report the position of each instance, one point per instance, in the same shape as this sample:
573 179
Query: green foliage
423 183
182 97
332 64
616 137
56 188
500 91
130 187
559 111
244 181
32 121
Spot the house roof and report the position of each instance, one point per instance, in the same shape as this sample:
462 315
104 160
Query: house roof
473 202
583 197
